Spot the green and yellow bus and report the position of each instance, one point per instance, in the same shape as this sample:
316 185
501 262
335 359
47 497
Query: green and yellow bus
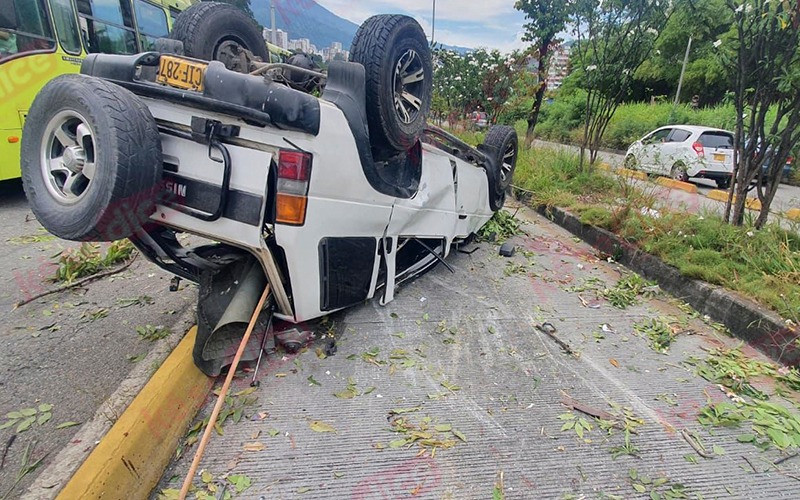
41 39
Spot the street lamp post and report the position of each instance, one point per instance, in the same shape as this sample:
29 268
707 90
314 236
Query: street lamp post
433 23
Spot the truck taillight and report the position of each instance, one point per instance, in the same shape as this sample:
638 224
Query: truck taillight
294 173
698 148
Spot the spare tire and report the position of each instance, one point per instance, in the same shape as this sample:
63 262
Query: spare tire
91 159
208 29
502 145
399 76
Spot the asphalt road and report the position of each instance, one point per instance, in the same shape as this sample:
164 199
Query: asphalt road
457 358
53 352
786 198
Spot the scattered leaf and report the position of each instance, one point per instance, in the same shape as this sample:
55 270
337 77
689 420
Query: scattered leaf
65 425
256 446
319 426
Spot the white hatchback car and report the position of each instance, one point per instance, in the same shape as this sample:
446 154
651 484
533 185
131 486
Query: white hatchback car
683 152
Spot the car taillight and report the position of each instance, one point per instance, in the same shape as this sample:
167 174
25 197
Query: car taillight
698 148
294 173
789 160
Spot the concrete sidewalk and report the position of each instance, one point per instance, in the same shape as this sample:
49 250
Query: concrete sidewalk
456 360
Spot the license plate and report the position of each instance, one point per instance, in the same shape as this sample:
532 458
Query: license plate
181 73
719 156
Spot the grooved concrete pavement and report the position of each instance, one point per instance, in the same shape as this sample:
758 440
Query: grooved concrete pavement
510 380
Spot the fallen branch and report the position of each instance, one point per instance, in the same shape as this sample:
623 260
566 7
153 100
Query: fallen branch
550 330
573 404
695 443
781 460
78 283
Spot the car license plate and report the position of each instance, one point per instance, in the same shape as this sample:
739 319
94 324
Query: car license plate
181 73
719 157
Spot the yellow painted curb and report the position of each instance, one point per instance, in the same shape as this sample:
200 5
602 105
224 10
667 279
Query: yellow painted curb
674 184
130 459
604 166
719 195
793 213
626 172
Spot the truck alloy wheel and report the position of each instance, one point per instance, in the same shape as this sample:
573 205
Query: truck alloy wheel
399 77
91 159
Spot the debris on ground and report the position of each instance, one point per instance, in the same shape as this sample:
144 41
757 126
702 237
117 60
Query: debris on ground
507 249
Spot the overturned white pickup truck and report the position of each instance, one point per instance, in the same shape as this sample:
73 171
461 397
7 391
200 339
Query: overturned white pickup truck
332 200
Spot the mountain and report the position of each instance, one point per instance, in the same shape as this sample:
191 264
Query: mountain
308 19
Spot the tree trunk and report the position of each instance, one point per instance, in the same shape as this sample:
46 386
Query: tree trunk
741 199
766 200
533 116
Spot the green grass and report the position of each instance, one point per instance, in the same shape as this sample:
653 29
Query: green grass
562 120
762 264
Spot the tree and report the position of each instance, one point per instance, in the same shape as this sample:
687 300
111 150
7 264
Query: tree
545 20
480 79
764 47
706 75
614 37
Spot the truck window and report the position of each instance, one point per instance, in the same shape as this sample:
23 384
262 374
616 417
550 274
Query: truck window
24 27
717 140
107 26
152 23
66 27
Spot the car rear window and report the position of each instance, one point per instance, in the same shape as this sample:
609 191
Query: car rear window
719 140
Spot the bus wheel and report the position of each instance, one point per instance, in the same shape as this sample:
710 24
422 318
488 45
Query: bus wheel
91 159
215 31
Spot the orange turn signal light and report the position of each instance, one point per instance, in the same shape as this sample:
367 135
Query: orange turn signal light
13 139
290 209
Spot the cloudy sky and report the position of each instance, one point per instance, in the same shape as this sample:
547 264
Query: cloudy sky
467 23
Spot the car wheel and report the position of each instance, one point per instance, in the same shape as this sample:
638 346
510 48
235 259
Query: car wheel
216 31
399 76
631 163
723 183
91 159
502 144
678 172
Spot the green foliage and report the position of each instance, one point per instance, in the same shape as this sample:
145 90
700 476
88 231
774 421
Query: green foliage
152 333
659 331
706 75
627 291
771 424
502 224
75 263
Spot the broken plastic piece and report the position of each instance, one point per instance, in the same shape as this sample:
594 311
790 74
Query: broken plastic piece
507 249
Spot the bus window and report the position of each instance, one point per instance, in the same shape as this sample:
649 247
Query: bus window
24 27
66 29
152 23
107 26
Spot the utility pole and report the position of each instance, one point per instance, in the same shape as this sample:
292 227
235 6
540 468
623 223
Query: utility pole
273 28
683 70
433 23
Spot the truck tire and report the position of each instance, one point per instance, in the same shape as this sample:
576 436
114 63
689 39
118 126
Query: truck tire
91 159
502 144
399 76
206 27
